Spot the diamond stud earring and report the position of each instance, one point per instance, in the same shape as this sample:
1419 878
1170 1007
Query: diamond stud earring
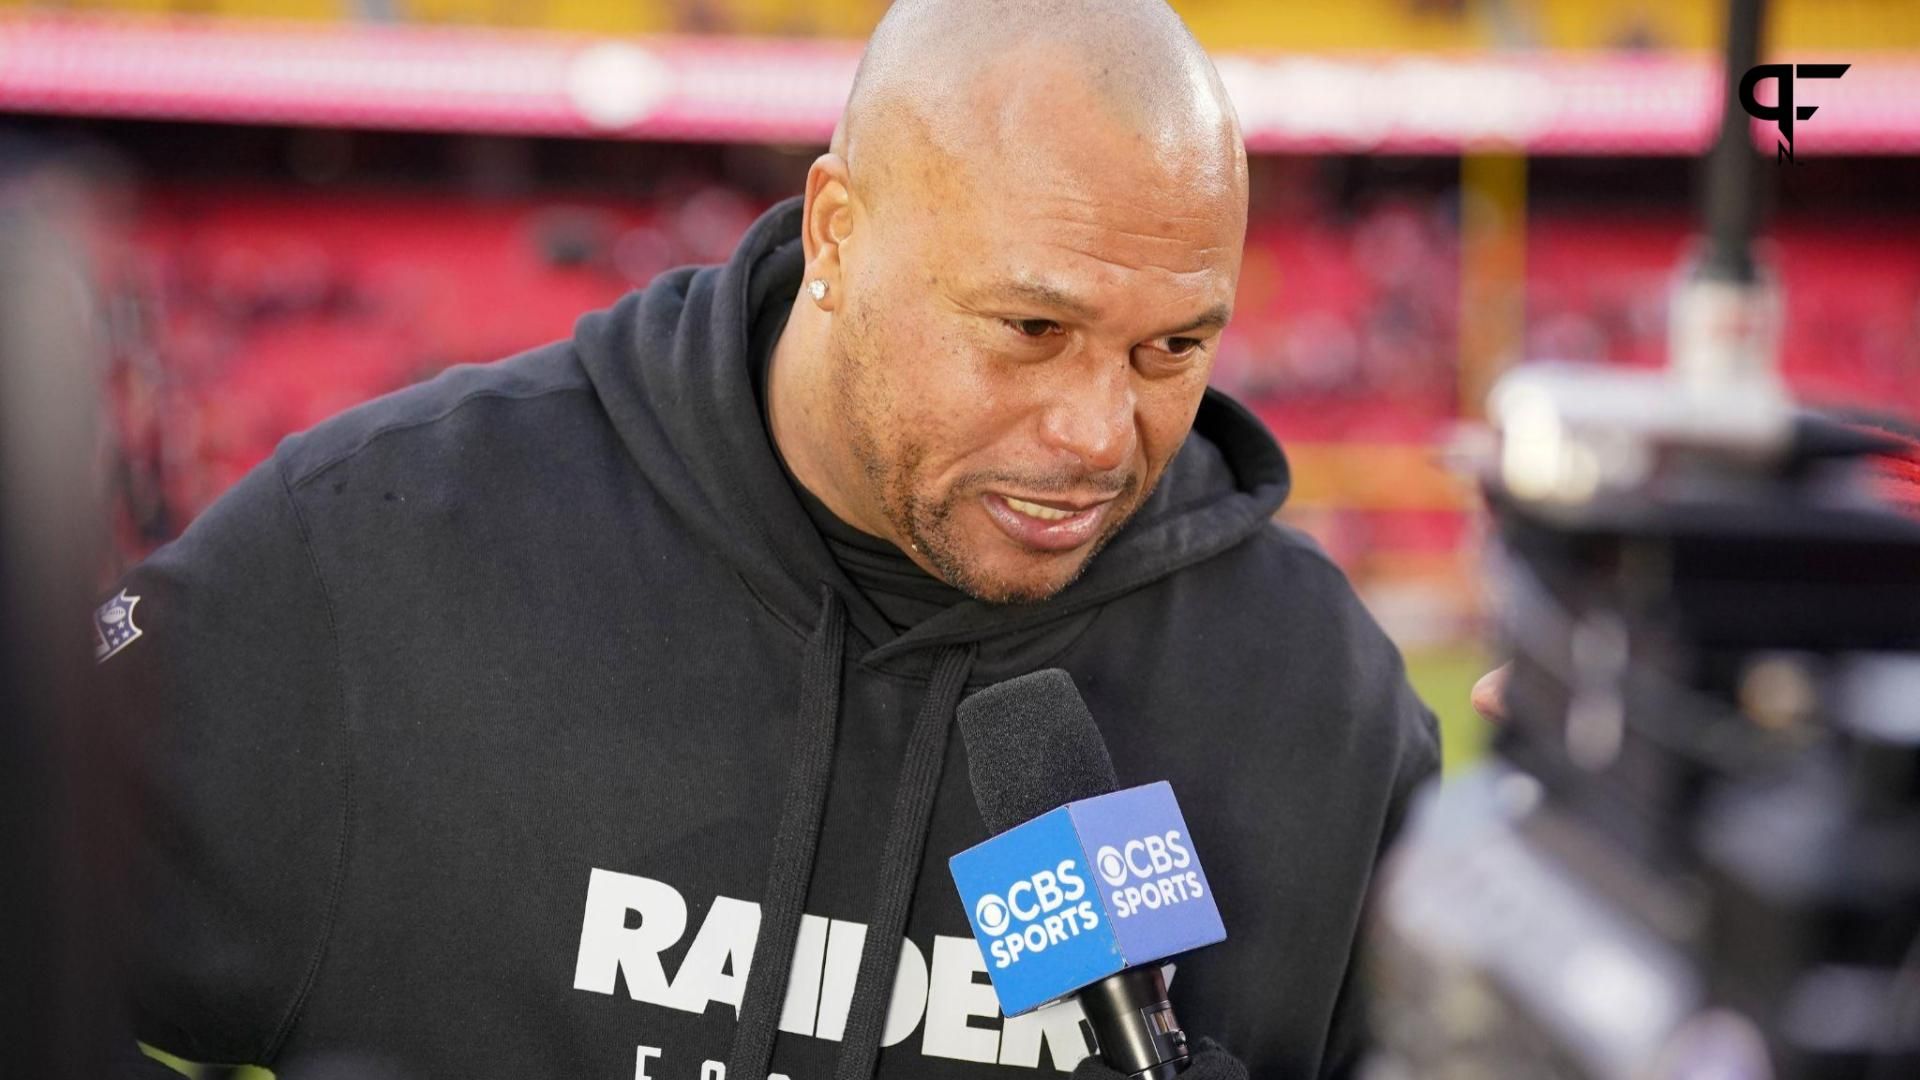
817 288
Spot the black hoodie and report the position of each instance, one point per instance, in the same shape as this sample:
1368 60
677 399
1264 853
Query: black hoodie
497 721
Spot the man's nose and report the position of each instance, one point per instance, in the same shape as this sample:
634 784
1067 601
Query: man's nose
1091 417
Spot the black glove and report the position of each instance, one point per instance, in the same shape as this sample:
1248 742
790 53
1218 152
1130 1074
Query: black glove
1210 1062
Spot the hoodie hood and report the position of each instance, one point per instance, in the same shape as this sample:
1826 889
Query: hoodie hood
672 365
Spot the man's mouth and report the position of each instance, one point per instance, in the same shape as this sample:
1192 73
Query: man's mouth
1034 509
1051 525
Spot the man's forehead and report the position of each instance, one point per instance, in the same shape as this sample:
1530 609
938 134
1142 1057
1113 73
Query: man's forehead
1059 249
1173 304
1053 144
1030 288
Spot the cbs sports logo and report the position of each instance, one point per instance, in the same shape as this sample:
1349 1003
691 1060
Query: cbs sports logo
1149 873
1036 913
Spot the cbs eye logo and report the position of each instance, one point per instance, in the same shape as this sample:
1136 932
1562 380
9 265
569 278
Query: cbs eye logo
991 913
1142 858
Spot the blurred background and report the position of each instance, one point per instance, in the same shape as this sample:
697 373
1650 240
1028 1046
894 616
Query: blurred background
294 206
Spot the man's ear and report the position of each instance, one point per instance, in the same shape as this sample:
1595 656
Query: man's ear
827 222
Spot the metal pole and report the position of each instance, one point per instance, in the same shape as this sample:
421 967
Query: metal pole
1732 191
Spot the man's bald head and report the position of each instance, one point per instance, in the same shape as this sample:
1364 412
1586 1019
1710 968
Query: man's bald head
1020 252
993 81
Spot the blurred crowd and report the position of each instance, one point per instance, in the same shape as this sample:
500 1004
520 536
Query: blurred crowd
245 311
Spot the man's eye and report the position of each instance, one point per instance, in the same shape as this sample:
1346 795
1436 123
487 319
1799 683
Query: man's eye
1180 346
1033 328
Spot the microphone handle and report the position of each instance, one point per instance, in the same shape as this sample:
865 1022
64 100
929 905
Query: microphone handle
1132 1024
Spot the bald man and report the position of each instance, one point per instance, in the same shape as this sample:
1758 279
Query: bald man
589 714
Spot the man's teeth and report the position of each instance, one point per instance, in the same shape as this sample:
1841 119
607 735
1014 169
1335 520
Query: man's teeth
1044 513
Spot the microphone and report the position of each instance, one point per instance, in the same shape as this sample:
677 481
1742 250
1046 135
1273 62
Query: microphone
1083 889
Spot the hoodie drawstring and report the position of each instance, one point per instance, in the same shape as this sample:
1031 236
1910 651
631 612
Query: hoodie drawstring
900 864
794 844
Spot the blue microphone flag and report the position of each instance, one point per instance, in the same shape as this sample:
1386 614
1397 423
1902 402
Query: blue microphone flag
1083 891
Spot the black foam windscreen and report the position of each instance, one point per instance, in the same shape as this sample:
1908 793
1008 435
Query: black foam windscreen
1032 746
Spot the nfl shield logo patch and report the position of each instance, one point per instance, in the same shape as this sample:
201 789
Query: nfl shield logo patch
113 627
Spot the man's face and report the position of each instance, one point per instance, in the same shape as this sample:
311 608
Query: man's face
1017 358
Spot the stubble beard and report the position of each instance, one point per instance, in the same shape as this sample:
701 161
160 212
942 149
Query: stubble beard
928 525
